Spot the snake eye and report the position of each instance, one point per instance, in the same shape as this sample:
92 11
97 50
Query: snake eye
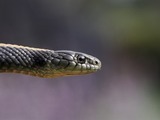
81 59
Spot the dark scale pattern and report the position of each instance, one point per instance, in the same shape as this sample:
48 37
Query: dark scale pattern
63 61
22 58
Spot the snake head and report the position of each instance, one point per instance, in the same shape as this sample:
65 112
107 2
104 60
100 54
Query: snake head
74 63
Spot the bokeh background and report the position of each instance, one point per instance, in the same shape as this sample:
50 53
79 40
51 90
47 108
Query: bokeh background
123 34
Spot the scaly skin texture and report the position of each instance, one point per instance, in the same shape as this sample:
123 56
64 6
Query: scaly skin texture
45 63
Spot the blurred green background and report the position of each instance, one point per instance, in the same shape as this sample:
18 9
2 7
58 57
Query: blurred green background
123 34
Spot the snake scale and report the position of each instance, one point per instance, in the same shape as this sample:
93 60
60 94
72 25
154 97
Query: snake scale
44 62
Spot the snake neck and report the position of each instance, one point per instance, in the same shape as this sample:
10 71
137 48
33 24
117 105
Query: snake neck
25 61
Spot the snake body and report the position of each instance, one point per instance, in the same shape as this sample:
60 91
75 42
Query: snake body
45 63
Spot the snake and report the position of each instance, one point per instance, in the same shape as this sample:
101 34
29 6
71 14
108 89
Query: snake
45 63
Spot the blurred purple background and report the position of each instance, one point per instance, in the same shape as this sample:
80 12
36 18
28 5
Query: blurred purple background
123 34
